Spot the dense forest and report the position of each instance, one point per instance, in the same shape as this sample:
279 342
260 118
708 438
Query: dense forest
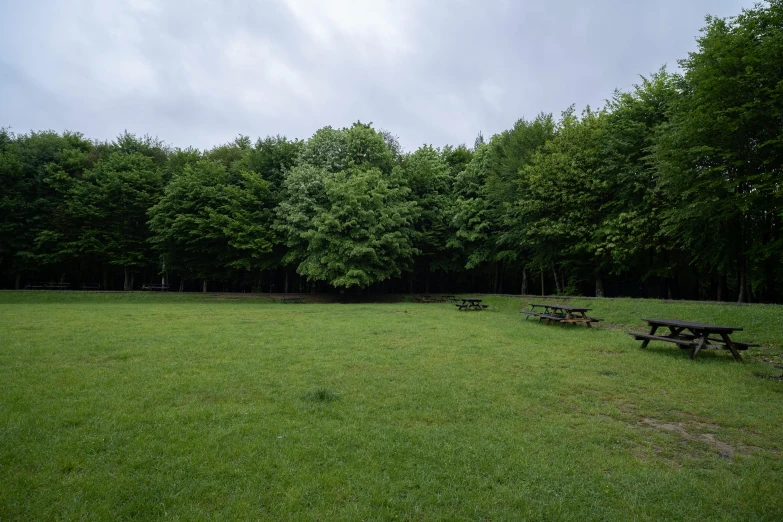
670 190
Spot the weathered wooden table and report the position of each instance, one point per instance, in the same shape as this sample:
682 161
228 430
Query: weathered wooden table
470 303
693 336
154 287
560 313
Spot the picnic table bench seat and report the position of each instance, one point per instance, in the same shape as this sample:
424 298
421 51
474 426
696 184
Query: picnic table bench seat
639 336
91 286
739 344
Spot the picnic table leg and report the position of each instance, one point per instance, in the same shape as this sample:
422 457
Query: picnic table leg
652 332
730 346
587 322
698 347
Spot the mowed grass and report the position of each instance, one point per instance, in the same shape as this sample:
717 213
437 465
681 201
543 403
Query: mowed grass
189 407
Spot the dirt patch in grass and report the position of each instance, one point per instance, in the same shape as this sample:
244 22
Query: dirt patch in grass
611 353
691 434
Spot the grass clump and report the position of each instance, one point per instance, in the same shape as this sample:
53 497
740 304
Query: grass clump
320 395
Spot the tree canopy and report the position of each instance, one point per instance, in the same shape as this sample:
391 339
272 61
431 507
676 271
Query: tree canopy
671 189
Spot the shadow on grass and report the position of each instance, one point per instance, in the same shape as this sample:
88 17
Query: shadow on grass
704 356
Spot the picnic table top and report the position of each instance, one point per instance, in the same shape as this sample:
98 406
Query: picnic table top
561 307
471 299
692 325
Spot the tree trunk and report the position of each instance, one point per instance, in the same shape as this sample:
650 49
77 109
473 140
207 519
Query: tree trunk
558 288
669 294
542 282
410 281
126 283
722 286
133 280
204 286
285 290
599 284
524 281
182 285
496 281
427 282
16 281
105 278
743 283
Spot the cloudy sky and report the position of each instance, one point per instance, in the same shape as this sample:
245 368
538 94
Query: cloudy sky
199 73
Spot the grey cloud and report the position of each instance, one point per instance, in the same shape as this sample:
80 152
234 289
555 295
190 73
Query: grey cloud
199 73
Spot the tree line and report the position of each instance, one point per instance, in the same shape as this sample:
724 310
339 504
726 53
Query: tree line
672 189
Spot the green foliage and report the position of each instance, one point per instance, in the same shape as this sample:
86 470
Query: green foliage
720 156
562 206
471 210
209 222
631 233
110 203
428 177
41 168
350 228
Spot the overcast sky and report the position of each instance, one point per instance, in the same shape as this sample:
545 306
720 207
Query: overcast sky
438 71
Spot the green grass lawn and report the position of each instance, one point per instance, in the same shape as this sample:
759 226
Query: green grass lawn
191 407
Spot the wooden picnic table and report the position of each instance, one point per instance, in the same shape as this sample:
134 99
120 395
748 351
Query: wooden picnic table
693 336
153 287
292 299
47 286
560 313
470 303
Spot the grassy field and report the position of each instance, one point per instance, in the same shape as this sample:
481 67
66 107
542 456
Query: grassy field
189 407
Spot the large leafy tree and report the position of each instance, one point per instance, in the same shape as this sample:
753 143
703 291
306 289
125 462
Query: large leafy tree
512 150
14 207
562 205
110 203
630 239
213 225
428 177
721 155
37 170
346 213
471 210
